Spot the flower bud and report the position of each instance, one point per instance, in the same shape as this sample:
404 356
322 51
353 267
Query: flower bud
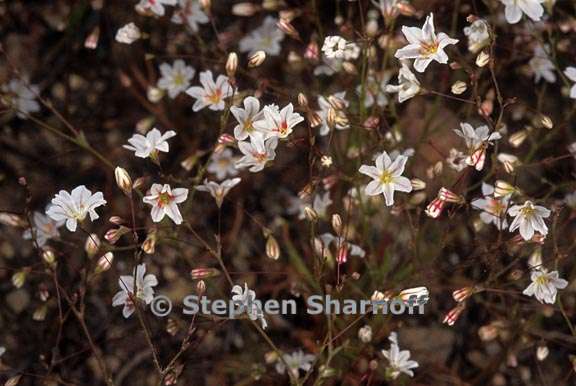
314 119
13 220
337 224
416 292
104 262
546 121
92 245
154 94
509 161
542 353
244 9
272 248
349 68
365 334
123 180
40 313
116 220
482 59
232 64
459 87
503 189
310 213
343 253
49 257
204 273
149 245
19 278
462 294
435 208
453 315
226 139
256 59
114 234
302 100
287 27
448 196
518 138
417 184
201 287
336 102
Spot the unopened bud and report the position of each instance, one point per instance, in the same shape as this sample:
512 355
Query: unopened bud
40 313
154 94
503 189
416 292
314 119
302 100
542 353
114 234
349 68
105 262
49 257
206 5
464 293
459 87
149 245
453 315
244 9
256 59
435 208
518 138
546 121
482 59
509 161
272 248
343 253
204 273
287 27
123 180
116 220
417 184
200 287
337 224
92 245
226 139
232 64
449 196
336 102
311 214
11 219
19 278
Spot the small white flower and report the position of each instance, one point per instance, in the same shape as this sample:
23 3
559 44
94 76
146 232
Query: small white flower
570 73
514 8
456 160
73 207
478 35
493 209
477 140
365 334
424 45
128 34
408 85
211 94
388 8
176 78
399 360
20 96
156 6
245 300
164 201
44 228
334 47
387 177
144 290
151 144
257 152
246 117
265 38
529 218
542 66
278 123
323 112
545 285
296 361
218 190
191 13
222 164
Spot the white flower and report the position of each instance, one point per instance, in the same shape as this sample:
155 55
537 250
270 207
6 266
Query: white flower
399 360
570 73
295 361
211 94
387 177
478 35
151 144
329 239
43 229
334 47
376 87
529 218
20 96
388 8
477 140
456 160
408 85
323 112
278 123
545 285
222 164
176 78
493 209
191 13
156 6
164 201
365 334
73 207
514 8
424 45
265 38
218 190
542 66
144 290
246 117
257 152
128 34
246 301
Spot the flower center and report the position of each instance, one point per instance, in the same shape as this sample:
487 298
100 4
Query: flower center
542 280
495 207
386 177
178 80
164 199
428 48
215 97
527 211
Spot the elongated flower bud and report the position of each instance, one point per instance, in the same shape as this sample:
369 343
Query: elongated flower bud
92 245
232 64
204 273
464 293
272 248
435 208
244 9
337 224
453 315
105 262
503 189
123 180
449 196
256 59
287 27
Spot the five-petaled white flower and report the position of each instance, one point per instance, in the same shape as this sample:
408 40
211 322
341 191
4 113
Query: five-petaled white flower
542 66
387 177
164 201
295 362
399 360
257 152
570 73
334 47
211 94
545 285
176 78
43 228
408 85
218 190
151 144
128 34
246 117
514 8
73 207
388 8
477 140
529 218
222 164
191 13
20 96
424 45
144 290
156 6
493 209
245 301
478 35
325 106
278 123
265 38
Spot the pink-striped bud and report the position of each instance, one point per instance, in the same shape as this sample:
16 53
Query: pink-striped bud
435 208
464 293
287 27
114 234
453 315
226 139
312 51
204 273
343 253
477 158
449 196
